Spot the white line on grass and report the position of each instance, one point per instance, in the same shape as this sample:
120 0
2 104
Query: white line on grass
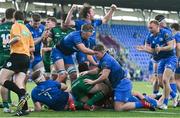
156 112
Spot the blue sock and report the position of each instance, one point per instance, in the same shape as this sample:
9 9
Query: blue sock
152 101
156 91
133 99
138 105
165 101
173 87
173 94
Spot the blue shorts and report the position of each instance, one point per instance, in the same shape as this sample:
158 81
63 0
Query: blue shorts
178 67
81 57
122 91
57 55
167 63
36 60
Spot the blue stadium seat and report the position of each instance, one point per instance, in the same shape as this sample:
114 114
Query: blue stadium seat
124 34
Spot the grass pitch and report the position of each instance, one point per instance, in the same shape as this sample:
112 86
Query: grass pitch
138 86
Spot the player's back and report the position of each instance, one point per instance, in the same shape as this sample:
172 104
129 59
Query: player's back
68 44
116 71
49 93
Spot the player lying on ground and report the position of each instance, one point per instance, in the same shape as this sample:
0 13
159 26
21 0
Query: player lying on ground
50 93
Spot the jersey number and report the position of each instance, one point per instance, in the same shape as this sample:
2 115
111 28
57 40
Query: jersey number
5 38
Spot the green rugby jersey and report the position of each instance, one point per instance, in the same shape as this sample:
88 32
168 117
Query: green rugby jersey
5 37
58 34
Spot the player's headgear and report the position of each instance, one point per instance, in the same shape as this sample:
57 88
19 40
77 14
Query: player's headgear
159 18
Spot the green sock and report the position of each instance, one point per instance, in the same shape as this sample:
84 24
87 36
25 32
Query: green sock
79 105
5 104
9 97
96 97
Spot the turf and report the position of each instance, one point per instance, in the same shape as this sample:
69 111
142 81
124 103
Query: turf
138 86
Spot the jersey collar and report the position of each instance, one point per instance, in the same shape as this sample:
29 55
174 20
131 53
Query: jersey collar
103 56
20 21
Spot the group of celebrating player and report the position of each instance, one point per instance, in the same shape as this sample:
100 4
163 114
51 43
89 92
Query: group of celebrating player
49 56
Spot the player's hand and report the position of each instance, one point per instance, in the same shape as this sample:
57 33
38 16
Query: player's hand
113 7
157 49
46 34
88 81
141 48
95 64
83 73
68 90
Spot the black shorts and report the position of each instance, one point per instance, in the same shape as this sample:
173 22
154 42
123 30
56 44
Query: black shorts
17 63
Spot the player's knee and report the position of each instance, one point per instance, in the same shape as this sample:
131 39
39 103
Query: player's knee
72 72
73 76
47 76
5 75
118 108
161 84
54 75
62 74
42 69
2 81
62 77
165 81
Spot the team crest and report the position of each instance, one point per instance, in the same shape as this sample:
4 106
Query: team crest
9 64
40 30
166 35
114 97
104 64
161 39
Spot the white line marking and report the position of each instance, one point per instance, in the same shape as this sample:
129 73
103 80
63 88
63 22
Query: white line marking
156 112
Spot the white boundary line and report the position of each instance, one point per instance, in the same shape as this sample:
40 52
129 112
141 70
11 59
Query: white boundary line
156 112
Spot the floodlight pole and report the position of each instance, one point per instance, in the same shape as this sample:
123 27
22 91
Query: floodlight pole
178 13
104 10
144 16
15 5
26 6
150 14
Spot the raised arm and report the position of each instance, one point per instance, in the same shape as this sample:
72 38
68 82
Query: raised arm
108 16
69 21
